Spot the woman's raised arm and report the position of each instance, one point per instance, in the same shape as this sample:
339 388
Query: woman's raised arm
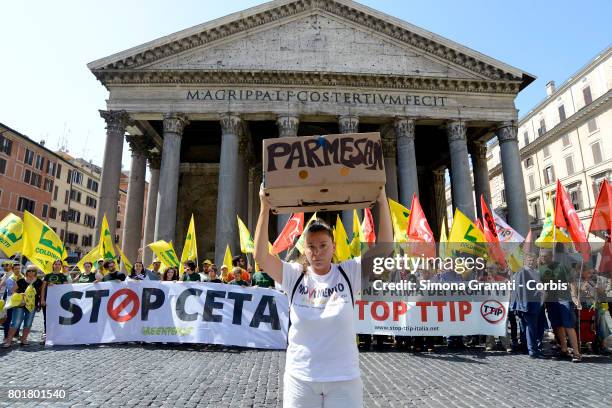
270 264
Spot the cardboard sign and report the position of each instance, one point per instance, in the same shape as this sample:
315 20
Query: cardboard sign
323 173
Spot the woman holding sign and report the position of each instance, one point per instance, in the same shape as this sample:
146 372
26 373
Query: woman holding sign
322 367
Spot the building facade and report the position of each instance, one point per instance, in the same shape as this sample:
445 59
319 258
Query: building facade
197 104
568 136
29 173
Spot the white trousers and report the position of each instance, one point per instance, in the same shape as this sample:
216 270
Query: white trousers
308 394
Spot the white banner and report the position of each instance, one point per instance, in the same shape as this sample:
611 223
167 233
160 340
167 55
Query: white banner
432 318
153 311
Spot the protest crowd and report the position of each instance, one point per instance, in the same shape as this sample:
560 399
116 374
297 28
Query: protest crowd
565 317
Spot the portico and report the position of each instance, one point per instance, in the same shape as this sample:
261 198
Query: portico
202 101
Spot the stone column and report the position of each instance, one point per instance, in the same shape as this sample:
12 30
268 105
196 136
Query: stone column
287 127
229 182
513 177
132 228
461 182
439 196
165 217
478 153
406 160
149 232
389 145
116 122
348 124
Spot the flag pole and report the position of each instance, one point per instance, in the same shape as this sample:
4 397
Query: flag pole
579 306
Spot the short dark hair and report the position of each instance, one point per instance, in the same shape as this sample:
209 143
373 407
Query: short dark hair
236 259
191 265
319 225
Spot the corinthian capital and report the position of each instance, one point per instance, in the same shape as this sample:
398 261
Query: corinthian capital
404 127
231 123
287 125
175 123
478 150
116 121
506 132
456 131
139 145
348 123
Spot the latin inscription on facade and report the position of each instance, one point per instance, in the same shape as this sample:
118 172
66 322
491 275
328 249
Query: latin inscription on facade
312 96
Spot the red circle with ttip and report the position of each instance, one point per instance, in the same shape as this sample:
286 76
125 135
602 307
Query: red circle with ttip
131 298
492 311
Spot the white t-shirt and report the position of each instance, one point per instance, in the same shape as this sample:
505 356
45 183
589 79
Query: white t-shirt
322 345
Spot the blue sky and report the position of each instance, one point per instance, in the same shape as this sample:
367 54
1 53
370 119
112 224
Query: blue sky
48 93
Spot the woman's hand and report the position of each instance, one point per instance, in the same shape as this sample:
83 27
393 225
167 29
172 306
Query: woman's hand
265 204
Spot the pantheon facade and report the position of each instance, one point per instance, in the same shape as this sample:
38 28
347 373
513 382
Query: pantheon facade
195 106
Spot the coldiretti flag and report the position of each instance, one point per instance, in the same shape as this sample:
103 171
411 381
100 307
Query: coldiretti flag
343 250
400 216
227 258
466 237
165 252
551 234
92 256
356 241
300 242
442 248
246 241
190 249
106 244
40 242
125 261
11 230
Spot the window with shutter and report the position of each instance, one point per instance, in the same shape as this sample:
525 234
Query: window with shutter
586 93
596 149
569 164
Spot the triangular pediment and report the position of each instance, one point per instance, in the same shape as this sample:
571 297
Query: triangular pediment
339 36
316 42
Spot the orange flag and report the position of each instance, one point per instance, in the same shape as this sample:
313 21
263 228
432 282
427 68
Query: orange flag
566 217
490 233
419 231
292 230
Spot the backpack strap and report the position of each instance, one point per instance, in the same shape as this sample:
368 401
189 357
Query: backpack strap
349 283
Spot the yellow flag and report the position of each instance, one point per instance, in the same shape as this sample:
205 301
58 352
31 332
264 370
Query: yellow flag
550 233
400 216
164 252
466 237
356 241
300 242
1 305
30 298
246 241
40 242
106 244
227 259
343 250
125 261
15 300
190 248
442 248
11 230
92 256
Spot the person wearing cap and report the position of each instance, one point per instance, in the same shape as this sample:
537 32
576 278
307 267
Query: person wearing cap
156 267
205 268
527 303
24 313
558 305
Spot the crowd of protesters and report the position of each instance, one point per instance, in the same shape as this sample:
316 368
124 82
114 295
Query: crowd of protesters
532 313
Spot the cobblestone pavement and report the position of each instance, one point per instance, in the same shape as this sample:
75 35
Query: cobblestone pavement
129 375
